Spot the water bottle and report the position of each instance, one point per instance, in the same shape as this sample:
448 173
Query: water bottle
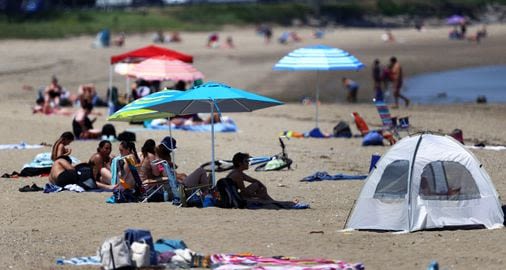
165 196
208 201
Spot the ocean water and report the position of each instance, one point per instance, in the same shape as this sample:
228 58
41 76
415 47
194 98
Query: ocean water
458 86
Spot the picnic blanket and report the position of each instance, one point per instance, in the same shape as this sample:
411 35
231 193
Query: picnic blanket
487 147
250 261
319 176
276 205
226 125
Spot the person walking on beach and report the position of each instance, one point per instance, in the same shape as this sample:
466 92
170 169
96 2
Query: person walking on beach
377 78
396 77
352 87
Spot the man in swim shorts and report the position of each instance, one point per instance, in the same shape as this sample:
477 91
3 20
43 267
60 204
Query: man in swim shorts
62 172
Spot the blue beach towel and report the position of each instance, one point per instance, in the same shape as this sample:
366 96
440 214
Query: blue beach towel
226 125
91 260
164 245
319 176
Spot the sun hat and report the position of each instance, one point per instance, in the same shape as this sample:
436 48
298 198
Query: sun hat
169 143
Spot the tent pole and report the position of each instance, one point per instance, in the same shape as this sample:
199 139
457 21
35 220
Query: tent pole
212 145
317 95
410 180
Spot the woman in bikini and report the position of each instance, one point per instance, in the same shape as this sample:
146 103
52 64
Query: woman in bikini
147 169
61 146
127 150
100 162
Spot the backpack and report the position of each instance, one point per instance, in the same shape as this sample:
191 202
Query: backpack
126 136
85 176
142 236
342 129
109 130
114 253
229 196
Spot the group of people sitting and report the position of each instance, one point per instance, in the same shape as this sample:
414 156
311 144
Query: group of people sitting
53 97
147 165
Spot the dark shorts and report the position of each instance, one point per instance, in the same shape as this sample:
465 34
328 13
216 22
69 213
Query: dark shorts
66 177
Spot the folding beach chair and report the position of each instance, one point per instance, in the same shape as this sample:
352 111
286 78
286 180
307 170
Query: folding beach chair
182 195
390 123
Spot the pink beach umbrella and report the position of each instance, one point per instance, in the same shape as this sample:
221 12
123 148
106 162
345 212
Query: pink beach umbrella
163 68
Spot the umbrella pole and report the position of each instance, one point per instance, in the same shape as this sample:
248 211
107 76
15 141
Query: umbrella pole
109 101
127 83
173 153
317 95
212 145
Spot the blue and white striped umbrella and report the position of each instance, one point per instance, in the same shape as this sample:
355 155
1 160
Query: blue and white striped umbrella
318 58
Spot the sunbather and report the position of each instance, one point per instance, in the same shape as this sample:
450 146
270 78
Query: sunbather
61 146
254 191
62 172
82 125
101 162
147 169
127 150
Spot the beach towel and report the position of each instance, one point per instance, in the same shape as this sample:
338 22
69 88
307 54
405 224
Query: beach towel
226 125
164 245
90 260
319 176
276 205
39 166
52 188
250 261
21 145
314 133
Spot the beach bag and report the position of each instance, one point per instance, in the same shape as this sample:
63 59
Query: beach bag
342 130
458 135
109 130
114 253
127 136
140 254
85 176
228 194
142 236
372 138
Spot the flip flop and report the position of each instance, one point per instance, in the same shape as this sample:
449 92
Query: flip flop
34 187
26 188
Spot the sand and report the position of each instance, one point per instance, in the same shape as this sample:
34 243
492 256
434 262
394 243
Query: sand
38 228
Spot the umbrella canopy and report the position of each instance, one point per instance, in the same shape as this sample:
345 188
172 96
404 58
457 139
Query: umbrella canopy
150 51
210 96
136 111
318 58
455 20
164 68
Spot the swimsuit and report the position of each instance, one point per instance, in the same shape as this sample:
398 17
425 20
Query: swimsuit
66 177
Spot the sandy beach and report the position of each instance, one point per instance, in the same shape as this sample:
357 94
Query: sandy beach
37 228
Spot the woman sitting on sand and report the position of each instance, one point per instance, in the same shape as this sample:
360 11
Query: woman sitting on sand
82 125
61 146
100 162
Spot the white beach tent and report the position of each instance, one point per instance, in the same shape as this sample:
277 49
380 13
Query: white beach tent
447 187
